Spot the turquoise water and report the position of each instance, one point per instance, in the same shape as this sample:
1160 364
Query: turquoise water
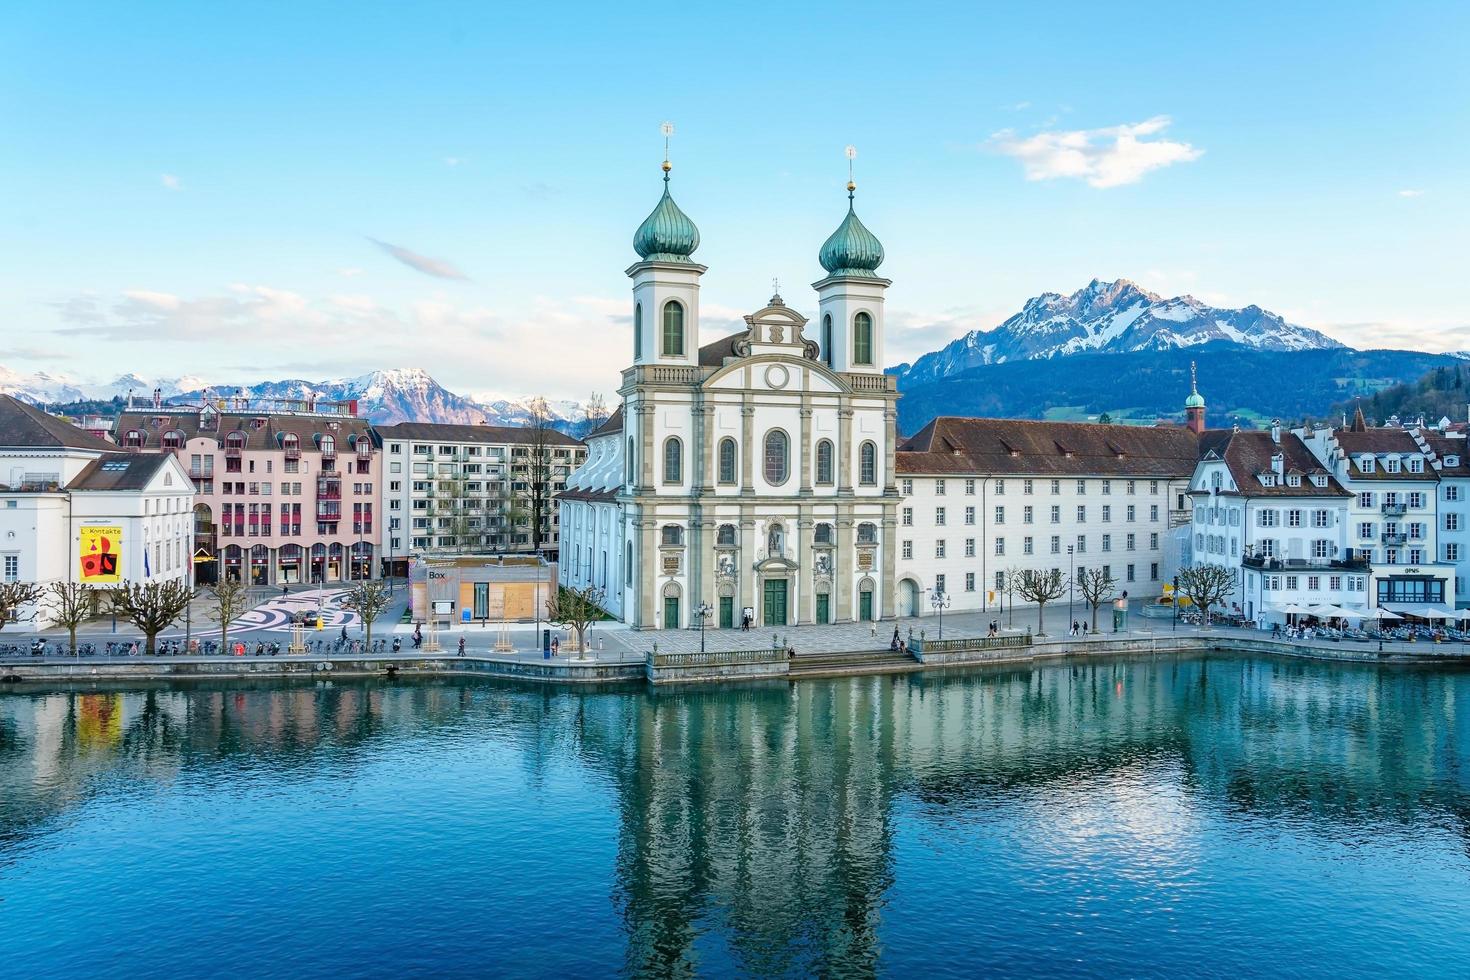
1223 817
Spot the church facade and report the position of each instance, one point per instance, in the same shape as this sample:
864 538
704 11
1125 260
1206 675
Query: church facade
752 477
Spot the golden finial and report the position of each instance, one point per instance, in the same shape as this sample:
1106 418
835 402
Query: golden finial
668 130
851 153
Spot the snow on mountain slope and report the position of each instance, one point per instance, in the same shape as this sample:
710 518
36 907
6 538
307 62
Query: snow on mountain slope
1110 317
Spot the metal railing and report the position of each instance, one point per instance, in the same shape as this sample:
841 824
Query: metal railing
923 645
1395 510
715 658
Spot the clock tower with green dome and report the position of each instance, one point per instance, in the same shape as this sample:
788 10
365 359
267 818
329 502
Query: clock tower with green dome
666 285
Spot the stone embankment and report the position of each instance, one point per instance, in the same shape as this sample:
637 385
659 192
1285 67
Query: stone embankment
724 666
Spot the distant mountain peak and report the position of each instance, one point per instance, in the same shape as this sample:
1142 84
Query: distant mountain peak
1110 316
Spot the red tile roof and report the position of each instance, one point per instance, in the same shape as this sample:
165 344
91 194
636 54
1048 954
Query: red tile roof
954 445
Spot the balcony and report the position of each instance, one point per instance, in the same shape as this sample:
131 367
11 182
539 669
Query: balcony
1355 563
1394 510
1394 538
333 493
293 452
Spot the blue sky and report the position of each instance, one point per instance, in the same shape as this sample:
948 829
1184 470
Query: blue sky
241 193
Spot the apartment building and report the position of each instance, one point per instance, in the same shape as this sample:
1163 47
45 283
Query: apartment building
286 490
451 489
1393 516
1266 507
982 499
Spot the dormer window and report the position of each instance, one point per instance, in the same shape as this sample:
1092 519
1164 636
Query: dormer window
1391 464
133 439
1452 461
1293 479
1416 464
1319 480
1268 479
173 440
1365 463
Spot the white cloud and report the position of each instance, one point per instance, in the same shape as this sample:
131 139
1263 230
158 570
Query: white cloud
171 181
438 268
350 272
472 347
1107 157
1411 193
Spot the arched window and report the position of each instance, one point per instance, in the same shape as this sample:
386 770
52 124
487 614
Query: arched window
671 535
778 453
637 331
868 465
725 536
824 462
673 460
862 339
133 439
173 440
727 460
867 533
673 345
822 534
827 339
329 446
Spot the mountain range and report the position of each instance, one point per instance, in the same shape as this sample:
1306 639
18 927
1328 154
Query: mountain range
1110 317
1110 347
399 395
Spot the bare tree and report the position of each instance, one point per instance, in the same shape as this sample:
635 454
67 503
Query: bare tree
1041 587
231 598
368 599
1097 587
13 595
538 468
1009 585
576 610
151 607
594 413
1206 586
70 604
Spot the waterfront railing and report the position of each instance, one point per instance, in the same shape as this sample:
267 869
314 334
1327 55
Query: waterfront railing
965 644
715 658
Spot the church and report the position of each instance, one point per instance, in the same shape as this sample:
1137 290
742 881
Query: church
748 478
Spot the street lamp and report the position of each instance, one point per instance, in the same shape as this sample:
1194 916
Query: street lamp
1071 583
702 611
940 602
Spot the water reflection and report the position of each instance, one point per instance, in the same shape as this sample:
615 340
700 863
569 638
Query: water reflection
759 828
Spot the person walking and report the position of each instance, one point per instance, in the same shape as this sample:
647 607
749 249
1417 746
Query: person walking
461 646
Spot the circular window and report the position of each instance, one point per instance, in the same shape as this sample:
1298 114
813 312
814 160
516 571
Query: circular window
777 376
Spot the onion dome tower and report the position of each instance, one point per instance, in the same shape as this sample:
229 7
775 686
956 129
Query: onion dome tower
666 281
850 296
1194 405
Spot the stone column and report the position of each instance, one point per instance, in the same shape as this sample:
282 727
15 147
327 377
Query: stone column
844 559
890 439
647 586
646 478
807 570
844 447
745 570
747 447
885 596
804 457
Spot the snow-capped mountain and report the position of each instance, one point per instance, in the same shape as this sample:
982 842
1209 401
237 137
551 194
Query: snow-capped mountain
1110 317
398 395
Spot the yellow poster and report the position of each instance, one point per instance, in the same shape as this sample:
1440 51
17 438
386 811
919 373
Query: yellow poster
101 554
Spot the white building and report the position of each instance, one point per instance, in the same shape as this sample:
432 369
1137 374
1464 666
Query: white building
73 508
453 489
984 499
1266 507
753 473
1450 457
1393 515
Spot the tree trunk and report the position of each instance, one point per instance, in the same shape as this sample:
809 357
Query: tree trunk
152 638
71 632
1041 619
1094 618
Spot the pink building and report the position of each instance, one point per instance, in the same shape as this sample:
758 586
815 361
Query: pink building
285 491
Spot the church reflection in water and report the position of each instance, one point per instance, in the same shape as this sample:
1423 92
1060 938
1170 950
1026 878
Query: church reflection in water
762 819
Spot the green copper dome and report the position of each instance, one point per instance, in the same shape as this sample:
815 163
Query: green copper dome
666 235
1195 400
852 250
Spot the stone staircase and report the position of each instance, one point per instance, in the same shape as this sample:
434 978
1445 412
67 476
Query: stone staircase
853 662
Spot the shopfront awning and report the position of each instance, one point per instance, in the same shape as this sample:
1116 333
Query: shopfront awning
1420 610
